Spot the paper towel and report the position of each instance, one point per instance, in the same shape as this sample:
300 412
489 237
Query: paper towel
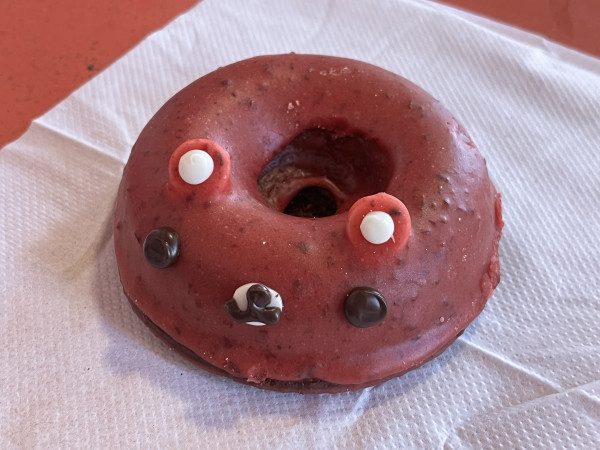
78 369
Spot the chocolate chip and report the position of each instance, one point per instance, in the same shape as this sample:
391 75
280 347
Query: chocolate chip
161 247
259 295
365 307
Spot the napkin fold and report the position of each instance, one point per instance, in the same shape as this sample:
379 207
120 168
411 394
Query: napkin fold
78 369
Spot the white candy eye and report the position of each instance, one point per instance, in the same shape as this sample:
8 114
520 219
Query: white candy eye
195 166
377 227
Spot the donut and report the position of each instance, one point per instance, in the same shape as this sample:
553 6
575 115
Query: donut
307 223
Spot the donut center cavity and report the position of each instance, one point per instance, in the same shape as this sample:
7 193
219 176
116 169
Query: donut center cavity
312 201
319 174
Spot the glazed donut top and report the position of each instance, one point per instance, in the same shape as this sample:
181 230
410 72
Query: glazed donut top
340 188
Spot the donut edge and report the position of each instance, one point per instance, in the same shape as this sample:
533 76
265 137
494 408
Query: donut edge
305 386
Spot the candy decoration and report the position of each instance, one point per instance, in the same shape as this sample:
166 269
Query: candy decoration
365 307
161 247
196 166
255 304
377 227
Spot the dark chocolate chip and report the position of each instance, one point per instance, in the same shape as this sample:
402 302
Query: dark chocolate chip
259 295
365 307
161 247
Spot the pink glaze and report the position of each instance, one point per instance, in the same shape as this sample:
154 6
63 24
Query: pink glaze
366 139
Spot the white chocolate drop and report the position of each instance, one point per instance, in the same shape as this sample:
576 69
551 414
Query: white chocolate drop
377 227
242 302
195 166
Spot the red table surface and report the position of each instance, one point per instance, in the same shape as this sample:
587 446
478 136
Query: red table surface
48 49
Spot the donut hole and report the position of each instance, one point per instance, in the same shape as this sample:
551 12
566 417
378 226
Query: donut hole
312 201
319 173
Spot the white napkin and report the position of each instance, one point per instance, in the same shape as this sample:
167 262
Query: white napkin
79 370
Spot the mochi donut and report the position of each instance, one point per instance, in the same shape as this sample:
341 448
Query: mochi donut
307 223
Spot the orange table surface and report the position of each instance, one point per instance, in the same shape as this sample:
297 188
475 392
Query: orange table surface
48 49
